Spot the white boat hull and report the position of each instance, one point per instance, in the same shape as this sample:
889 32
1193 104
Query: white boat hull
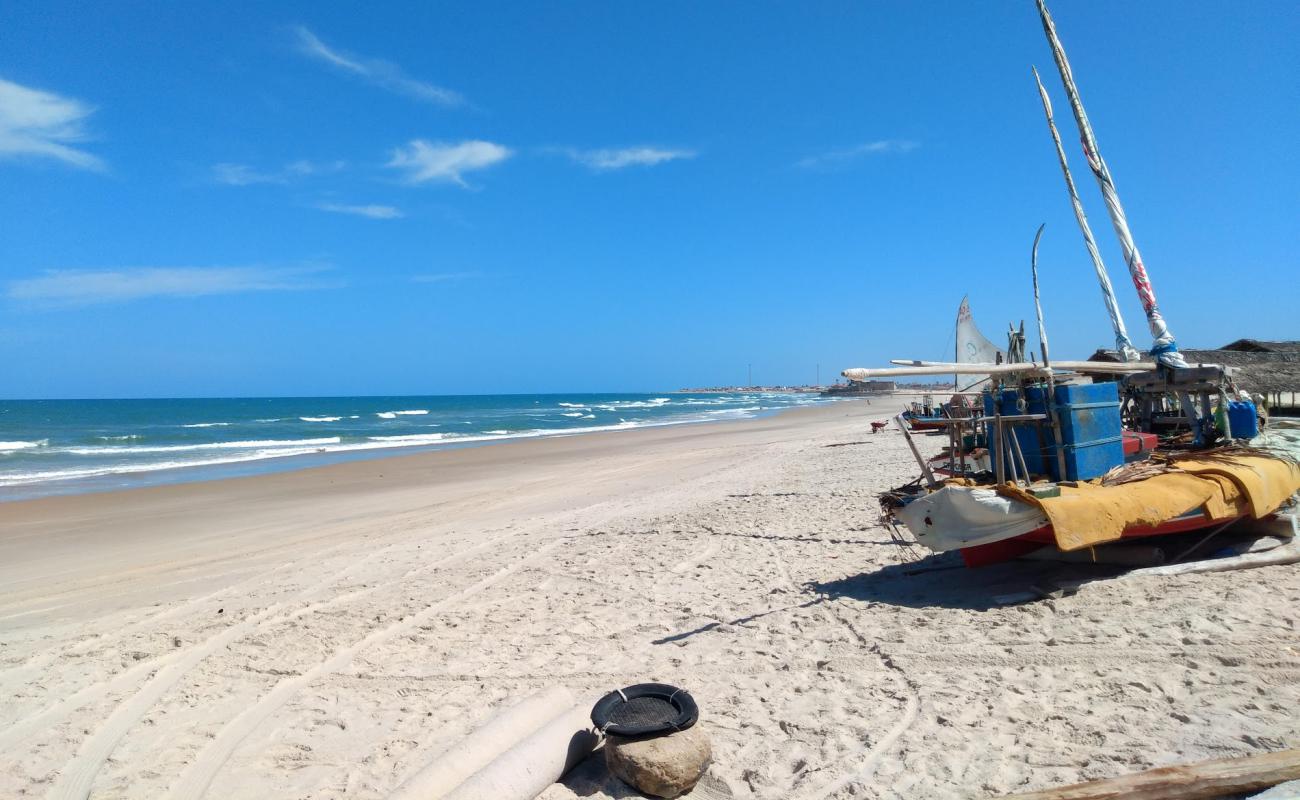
956 517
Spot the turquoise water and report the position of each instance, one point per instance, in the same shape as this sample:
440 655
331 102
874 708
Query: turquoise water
69 446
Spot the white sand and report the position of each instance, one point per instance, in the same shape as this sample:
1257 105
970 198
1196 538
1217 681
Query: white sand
325 633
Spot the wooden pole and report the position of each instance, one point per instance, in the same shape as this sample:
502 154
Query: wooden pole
925 468
1199 781
1052 412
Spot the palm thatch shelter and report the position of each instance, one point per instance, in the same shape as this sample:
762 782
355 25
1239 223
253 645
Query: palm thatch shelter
1269 370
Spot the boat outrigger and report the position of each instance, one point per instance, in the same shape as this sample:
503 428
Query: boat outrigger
1072 454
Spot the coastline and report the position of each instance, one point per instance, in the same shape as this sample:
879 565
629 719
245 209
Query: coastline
252 449
327 631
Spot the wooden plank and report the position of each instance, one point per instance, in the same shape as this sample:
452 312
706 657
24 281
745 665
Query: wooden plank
1287 554
925 468
1199 781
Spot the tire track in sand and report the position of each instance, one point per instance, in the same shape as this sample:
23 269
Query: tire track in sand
76 778
196 779
911 706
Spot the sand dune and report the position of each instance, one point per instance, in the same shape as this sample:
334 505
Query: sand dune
325 633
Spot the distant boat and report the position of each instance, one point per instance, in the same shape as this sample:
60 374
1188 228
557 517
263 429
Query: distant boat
973 348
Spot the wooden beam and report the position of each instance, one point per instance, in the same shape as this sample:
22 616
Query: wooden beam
925 468
1287 554
1200 781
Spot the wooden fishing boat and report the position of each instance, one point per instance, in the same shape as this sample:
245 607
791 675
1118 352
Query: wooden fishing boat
1063 454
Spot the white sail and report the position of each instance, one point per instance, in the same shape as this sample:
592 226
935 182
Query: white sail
1164 348
973 348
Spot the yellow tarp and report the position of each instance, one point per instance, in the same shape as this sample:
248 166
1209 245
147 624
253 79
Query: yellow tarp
1221 487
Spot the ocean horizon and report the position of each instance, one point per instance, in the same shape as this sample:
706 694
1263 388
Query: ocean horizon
54 447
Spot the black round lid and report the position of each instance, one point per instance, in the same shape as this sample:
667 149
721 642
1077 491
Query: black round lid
645 709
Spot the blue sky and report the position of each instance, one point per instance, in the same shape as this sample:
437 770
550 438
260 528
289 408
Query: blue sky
315 198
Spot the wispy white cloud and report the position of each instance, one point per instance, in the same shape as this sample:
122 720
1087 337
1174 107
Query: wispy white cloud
379 72
371 211
425 162
445 277
619 158
839 157
84 287
38 124
244 175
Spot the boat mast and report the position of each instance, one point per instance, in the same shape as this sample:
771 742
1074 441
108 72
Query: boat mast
1163 348
1123 344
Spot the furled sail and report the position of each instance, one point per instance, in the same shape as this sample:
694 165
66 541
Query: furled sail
973 348
1164 348
1123 344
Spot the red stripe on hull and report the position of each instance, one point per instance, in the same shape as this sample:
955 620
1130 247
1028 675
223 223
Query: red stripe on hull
1007 549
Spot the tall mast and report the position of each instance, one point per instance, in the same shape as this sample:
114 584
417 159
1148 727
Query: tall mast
1122 343
1163 348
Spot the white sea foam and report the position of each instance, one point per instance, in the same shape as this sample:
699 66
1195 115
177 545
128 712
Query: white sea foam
127 438
13 447
500 432
320 419
130 450
20 479
573 405
411 438
387 415
572 414
416 412
209 425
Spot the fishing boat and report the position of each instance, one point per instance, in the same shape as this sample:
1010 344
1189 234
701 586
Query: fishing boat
969 347
1073 455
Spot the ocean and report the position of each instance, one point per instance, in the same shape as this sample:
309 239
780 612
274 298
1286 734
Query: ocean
70 446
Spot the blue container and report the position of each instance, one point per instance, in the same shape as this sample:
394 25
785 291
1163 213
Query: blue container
1092 434
1091 430
1243 419
1036 442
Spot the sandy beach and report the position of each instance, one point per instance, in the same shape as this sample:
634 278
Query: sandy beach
324 633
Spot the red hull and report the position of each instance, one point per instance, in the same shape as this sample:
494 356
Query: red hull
1007 549
925 425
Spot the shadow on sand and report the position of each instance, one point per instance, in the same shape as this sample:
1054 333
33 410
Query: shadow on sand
942 581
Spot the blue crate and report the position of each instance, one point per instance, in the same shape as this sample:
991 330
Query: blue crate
1092 433
1091 430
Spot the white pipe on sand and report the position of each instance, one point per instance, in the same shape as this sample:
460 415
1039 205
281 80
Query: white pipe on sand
1072 366
525 770
505 730
860 374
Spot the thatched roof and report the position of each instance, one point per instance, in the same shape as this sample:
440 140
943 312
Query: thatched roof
1260 366
1256 371
1262 346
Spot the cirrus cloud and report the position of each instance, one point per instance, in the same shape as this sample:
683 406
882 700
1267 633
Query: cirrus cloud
620 158
39 124
835 158
244 175
372 211
377 71
429 162
84 287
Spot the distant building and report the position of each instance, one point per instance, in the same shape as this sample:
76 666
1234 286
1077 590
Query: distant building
859 387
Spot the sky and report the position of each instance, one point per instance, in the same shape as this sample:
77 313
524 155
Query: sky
412 198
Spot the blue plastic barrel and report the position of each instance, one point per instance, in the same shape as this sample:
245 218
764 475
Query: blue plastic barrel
1243 419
